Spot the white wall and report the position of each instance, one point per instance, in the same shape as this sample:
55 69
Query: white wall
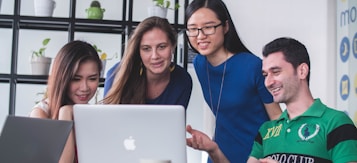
311 22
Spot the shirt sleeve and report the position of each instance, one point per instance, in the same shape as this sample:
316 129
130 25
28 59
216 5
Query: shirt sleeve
257 149
109 79
43 105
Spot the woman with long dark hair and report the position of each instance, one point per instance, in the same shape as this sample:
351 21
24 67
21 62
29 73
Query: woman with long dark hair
231 78
74 79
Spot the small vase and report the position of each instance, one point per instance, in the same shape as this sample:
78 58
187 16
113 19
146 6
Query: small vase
0 5
104 63
95 13
44 7
40 65
157 11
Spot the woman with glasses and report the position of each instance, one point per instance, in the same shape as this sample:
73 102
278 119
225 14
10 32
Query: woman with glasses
231 79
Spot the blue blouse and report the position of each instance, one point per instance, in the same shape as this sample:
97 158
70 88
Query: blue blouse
241 108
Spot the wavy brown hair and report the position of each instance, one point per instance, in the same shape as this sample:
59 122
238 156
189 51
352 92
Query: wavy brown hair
129 87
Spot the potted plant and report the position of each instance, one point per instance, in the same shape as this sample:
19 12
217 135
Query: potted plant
0 4
41 95
95 11
103 57
40 64
160 8
44 7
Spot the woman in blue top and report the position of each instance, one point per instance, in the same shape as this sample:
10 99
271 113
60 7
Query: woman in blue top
146 74
231 78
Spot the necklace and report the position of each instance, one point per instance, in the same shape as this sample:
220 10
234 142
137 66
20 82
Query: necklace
220 91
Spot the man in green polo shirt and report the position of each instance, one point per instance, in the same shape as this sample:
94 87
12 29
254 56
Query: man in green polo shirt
308 131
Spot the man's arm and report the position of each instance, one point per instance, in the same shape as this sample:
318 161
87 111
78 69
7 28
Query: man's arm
201 141
253 160
263 160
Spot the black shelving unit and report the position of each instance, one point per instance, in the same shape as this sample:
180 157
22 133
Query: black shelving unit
70 25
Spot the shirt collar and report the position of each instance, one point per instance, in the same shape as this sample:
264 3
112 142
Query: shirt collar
315 110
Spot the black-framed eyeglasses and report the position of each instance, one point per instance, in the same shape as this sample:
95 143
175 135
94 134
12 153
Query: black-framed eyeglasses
207 30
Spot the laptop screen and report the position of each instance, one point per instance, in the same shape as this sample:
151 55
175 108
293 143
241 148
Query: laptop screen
130 133
25 139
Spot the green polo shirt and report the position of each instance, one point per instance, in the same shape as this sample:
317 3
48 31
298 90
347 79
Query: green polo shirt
319 135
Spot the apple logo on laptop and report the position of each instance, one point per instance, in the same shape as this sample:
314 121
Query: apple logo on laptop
129 143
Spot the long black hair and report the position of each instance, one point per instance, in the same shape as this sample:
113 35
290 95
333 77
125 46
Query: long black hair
232 41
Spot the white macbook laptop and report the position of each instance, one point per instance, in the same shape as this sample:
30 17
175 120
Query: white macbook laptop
128 133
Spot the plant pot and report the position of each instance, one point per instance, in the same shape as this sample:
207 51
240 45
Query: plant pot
157 11
44 7
0 5
40 65
104 62
95 13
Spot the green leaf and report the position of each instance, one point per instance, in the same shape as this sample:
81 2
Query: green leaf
159 3
167 4
96 48
45 41
41 51
35 53
177 6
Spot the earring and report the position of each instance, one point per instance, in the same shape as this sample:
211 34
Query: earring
141 69
172 67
